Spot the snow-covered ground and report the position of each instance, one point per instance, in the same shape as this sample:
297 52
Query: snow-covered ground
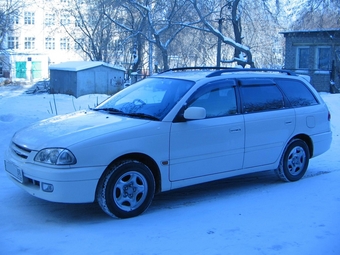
253 214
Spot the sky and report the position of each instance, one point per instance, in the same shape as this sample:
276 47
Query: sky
255 214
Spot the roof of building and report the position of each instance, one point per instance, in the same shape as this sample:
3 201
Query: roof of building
312 31
82 65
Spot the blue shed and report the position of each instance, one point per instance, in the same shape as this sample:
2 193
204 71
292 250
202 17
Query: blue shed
79 78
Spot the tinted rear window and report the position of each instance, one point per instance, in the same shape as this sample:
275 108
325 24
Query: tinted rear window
261 98
297 92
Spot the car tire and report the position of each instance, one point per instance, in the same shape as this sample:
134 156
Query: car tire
126 189
294 161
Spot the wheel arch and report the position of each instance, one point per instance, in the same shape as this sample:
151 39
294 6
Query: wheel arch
145 159
307 140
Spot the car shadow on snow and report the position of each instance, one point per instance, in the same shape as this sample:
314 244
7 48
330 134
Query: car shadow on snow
237 185
214 190
58 213
32 209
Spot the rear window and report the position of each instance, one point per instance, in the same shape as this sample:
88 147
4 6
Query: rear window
261 98
297 92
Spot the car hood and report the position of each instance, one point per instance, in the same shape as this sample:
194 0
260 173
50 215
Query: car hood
69 129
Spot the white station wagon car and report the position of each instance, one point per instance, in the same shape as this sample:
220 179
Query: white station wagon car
174 129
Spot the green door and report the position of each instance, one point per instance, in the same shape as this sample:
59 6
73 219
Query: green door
36 69
20 70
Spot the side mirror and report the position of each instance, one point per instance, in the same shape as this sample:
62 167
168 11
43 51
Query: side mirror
195 113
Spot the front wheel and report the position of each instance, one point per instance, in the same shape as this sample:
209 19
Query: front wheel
294 161
126 189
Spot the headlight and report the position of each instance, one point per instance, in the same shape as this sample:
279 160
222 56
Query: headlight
55 156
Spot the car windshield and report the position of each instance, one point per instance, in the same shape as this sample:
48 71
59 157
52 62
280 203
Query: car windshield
150 98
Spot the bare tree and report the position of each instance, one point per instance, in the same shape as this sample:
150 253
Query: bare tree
9 19
261 23
160 22
90 29
244 28
317 14
131 25
9 15
207 12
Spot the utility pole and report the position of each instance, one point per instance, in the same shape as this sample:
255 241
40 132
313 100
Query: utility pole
150 56
219 43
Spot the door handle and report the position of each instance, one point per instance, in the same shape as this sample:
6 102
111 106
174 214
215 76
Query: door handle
233 130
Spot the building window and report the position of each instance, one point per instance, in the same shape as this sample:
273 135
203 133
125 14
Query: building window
49 43
29 18
13 42
78 23
64 43
78 42
65 19
323 58
50 19
302 58
15 17
29 43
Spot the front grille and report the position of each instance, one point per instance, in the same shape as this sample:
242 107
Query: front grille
20 151
32 182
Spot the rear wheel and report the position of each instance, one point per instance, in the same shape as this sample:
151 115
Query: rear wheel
126 190
294 161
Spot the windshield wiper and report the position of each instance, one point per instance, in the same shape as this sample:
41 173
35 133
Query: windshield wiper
110 110
142 115
135 114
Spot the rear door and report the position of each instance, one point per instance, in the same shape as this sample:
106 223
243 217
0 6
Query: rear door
269 121
211 145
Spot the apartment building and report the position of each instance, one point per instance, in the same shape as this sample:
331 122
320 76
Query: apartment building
37 39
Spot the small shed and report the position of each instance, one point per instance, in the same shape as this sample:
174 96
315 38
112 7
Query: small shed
315 53
79 78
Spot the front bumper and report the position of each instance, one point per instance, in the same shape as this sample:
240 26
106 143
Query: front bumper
64 185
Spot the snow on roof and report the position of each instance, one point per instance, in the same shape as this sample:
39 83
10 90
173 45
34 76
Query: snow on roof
81 65
311 31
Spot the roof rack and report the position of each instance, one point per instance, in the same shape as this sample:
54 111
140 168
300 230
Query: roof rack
231 70
221 70
196 68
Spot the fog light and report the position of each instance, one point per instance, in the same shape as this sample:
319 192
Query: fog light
47 187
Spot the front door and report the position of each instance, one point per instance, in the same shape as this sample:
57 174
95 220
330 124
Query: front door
211 145
20 69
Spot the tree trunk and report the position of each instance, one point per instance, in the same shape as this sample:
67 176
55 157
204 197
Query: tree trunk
236 21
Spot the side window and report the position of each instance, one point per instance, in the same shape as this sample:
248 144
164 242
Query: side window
297 93
217 99
261 98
